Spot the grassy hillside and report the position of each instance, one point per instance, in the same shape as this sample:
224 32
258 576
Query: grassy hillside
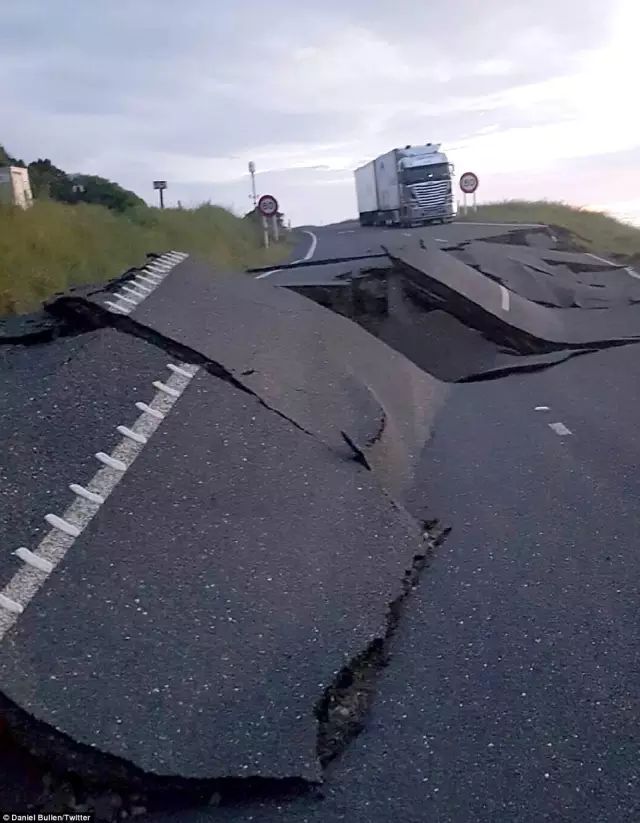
594 231
53 245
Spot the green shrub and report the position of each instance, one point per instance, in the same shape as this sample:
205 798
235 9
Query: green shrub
52 245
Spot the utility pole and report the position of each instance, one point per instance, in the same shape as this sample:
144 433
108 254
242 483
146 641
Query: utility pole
252 172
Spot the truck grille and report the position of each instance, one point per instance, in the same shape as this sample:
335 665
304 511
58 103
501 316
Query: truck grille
431 195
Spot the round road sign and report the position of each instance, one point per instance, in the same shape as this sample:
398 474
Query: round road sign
469 182
267 205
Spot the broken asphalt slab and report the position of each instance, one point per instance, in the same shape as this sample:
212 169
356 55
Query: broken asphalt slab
319 370
478 301
188 555
552 278
196 623
244 560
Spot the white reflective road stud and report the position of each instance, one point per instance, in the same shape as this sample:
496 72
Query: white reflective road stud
127 432
179 370
93 497
148 410
116 307
111 461
166 389
62 525
10 605
33 560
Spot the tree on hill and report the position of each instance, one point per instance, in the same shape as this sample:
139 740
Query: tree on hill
102 192
7 160
48 180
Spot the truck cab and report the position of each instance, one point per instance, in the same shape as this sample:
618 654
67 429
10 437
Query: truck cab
405 187
425 178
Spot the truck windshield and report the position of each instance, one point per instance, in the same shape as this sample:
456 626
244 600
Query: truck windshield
423 174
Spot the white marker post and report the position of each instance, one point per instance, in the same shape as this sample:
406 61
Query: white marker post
265 230
276 229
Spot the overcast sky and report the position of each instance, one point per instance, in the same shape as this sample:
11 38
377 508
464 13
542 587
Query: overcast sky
538 98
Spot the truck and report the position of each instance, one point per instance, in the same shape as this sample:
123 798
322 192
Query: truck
406 187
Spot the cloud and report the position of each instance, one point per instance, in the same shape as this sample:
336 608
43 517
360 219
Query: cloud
137 91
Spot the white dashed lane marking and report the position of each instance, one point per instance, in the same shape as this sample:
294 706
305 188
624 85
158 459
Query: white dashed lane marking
505 300
560 429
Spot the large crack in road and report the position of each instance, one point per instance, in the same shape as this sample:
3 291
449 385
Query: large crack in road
74 775
444 336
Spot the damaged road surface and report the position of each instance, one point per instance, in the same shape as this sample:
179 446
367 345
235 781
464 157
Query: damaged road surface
244 599
183 600
237 567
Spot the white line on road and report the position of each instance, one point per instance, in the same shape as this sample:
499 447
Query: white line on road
506 300
542 408
312 247
560 429
628 269
600 259
308 256
516 225
38 565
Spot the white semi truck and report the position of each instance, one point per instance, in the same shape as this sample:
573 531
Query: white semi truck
405 187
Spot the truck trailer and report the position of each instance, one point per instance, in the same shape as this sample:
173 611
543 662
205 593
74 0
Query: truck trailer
406 187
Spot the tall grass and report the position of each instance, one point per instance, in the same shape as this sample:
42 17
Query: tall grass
593 230
52 246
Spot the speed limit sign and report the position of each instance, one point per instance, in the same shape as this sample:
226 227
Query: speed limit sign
469 182
267 205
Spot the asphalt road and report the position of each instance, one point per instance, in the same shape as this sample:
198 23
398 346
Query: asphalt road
350 240
511 691
60 403
204 595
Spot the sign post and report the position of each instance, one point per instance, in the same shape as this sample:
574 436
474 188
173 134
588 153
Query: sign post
268 207
160 185
469 185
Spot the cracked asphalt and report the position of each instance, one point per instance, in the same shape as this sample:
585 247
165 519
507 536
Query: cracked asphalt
511 690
